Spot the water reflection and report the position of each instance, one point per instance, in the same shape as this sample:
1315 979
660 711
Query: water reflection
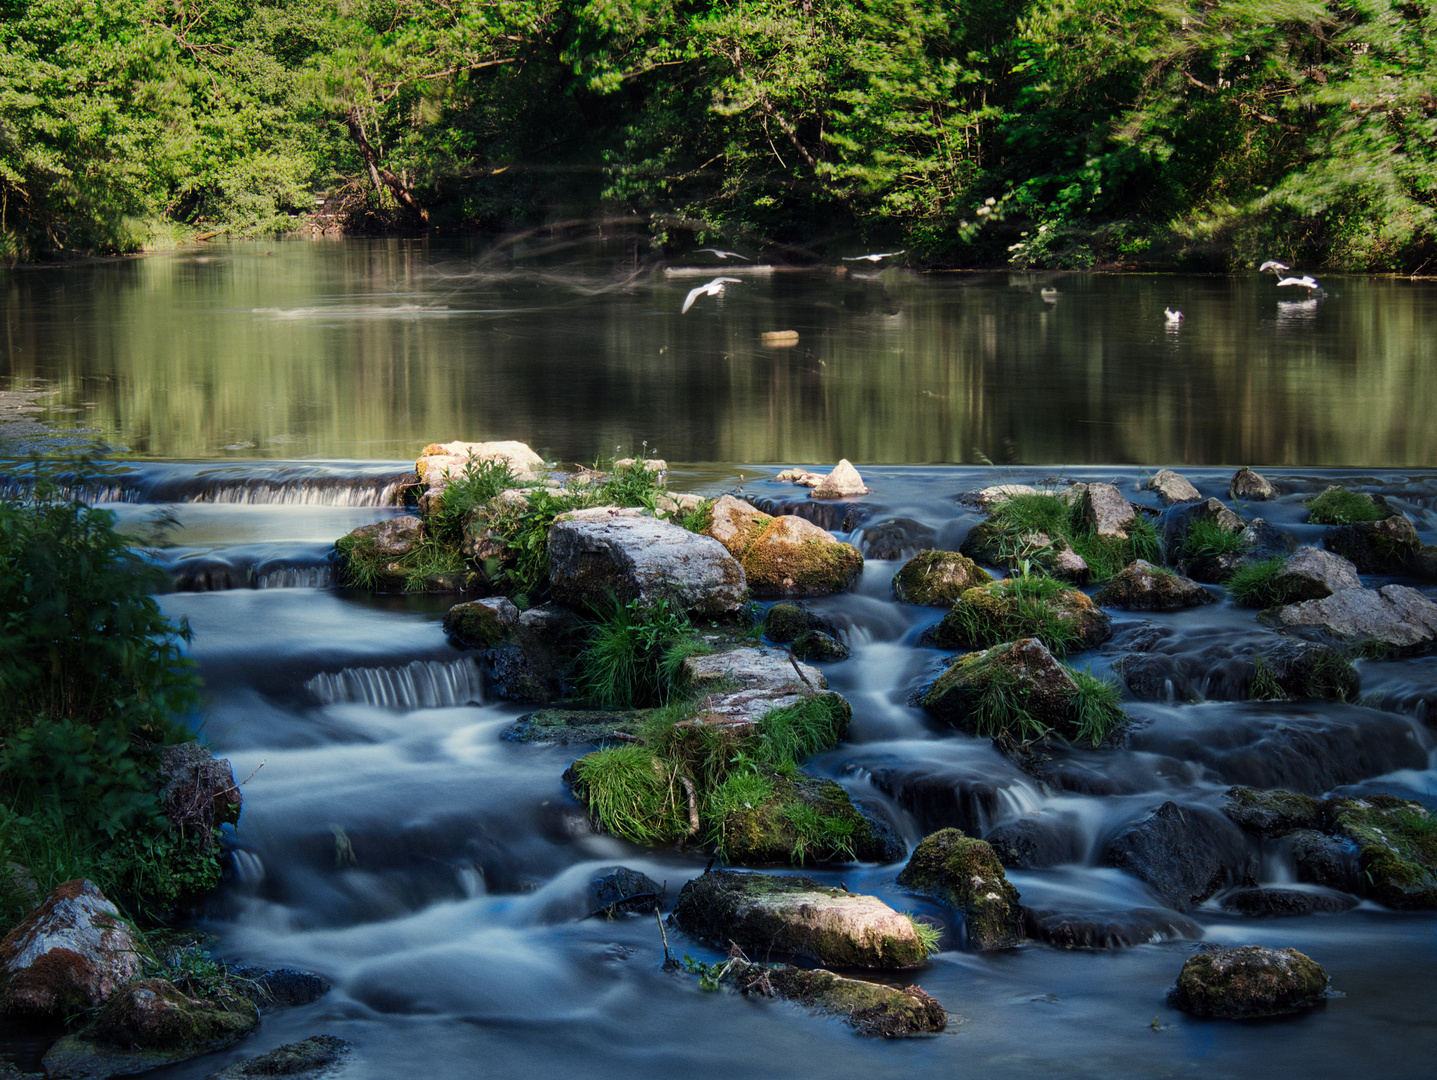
369 349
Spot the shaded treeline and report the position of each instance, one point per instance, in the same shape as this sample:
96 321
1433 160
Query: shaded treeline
1064 133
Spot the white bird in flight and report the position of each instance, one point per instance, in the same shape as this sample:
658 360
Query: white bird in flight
1307 281
724 254
1273 265
872 258
1173 317
713 288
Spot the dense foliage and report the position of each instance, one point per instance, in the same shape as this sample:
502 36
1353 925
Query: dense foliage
92 678
1215 133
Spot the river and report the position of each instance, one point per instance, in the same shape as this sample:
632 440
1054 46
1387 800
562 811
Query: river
258 398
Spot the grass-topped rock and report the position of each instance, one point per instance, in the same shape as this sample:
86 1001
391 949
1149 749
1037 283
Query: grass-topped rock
1343 506
1141 586
1018 692
937 578
1064 619
1397 847
1249 982
768 915
785 555
724 774
871 1009
964 873
1047 528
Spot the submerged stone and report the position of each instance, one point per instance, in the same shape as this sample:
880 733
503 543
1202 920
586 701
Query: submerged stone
765 914
1108 929
965 874
890 540
1268 903
309 1058
1250 982
1272 813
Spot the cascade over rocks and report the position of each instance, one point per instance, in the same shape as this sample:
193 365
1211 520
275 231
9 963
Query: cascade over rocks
593 563
964 873
1108 929
890 540
783 556
1241 984
767 914
1229 668
70 953
1185 854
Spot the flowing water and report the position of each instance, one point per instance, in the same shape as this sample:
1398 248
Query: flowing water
260 401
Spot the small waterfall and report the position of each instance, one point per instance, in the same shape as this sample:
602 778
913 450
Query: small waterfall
305 491
295 577
248 867
423 684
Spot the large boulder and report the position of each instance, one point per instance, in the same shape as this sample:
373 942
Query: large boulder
1394 618
147 1024
1106 510
69 954
785 555
1311 573
965 874
1250 982
1184 854
937 578
1141 586
594 563
796 916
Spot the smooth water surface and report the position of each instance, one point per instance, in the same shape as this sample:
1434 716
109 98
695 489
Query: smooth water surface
369 349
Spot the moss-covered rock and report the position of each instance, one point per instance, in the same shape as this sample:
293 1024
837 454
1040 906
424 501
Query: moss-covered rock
964 873
1020 692
565 727
1343 506
1272 813
1389 546
1397 848
766 914
482 624
803 819
1065 620
785 555
872 1009
815 645
786 621
1141 586
937 578
1250 982
148 1024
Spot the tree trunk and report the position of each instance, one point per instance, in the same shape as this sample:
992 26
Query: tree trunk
380 174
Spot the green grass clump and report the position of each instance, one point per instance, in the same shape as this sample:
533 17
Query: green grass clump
1063 523
634 794
1205 540
1255 585
1341 506
480 481
1265 686
635 654
1096 707
1025 605
930 937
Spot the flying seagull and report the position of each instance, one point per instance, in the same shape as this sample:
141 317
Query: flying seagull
1273 265
735 255
872 258
713 288
1173 317
1307 281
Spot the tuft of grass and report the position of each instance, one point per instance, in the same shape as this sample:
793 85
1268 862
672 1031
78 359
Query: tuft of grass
1206 540
1019 517
635 654
827 835
999 709
929 936
1020 606
1342 506
480 481
1265 686
1096 707
633 794
1255 585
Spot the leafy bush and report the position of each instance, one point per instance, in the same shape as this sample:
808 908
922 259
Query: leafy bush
479 482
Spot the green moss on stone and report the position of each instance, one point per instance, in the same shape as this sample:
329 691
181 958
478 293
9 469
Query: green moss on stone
1250 982
964 873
